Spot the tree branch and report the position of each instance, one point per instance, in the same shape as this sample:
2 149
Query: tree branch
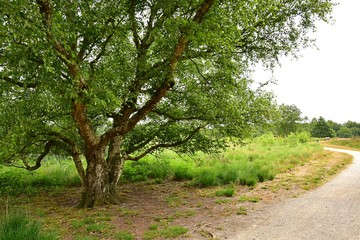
168 83
18 83
46 151
164 145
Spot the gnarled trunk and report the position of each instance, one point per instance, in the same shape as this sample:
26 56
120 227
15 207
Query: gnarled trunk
96 179
102 176
115 163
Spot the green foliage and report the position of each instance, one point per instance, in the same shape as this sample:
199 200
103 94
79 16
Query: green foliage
344 132
241 211
288 121
18 226
53 174
72 72
249 199
124 235
167 232
322 129
353 143
226 192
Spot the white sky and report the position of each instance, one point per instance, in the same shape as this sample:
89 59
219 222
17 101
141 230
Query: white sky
324 82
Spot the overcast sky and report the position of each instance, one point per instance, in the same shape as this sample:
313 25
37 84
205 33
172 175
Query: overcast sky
325 82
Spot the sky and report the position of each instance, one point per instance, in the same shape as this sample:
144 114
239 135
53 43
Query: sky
325 81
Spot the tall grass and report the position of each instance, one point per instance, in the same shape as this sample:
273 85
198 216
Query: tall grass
52 173
259 161
353 143
17 226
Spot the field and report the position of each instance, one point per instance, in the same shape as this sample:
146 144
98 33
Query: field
166 195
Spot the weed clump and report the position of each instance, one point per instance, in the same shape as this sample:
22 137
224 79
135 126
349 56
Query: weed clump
17 226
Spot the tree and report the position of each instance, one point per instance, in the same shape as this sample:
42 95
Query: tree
322 129
289 120
116 80
344 132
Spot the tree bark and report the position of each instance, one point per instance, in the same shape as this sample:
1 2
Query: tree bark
102 175
96 179
115 163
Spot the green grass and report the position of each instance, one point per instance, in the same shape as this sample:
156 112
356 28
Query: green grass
353 143
259 161
18 226
167 232
225 192
124 235
241 211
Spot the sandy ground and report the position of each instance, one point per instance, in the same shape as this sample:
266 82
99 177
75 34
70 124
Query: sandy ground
330 212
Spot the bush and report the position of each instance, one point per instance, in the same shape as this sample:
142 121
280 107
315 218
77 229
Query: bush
205 178
182 173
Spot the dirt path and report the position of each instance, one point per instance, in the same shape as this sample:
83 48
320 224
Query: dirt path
330 212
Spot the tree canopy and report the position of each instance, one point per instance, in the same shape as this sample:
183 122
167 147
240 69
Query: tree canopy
116 80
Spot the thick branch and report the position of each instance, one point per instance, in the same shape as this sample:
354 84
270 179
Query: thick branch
75 153
164 87
166 145
176 118
18 83
46 151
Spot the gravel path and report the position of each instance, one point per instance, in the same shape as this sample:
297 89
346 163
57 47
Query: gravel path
331 212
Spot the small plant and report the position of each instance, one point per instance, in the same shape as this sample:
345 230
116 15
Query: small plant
96 227
124 235
249 199
241 211
173 200
167 232
226 192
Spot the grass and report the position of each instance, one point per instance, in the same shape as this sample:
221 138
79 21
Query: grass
247 165
165 232
18 226
225 192
124 235
249 199
353 143
241 211
264 159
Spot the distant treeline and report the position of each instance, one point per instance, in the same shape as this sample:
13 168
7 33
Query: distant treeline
287 119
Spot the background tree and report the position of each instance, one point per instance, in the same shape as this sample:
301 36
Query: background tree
354 127
289 120
116 80
334 125
344 132
322 129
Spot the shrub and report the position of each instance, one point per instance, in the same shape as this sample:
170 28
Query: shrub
182 173
205 178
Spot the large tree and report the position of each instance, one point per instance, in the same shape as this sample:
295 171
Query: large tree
289 120
116 80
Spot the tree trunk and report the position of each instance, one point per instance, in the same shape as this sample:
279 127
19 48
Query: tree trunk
115 163
96 180
102 176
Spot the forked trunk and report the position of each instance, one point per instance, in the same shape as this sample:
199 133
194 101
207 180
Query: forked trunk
101 179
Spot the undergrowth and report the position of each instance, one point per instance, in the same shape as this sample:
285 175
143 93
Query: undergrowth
256 162
18 226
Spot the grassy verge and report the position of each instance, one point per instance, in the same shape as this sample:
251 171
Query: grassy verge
352 143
